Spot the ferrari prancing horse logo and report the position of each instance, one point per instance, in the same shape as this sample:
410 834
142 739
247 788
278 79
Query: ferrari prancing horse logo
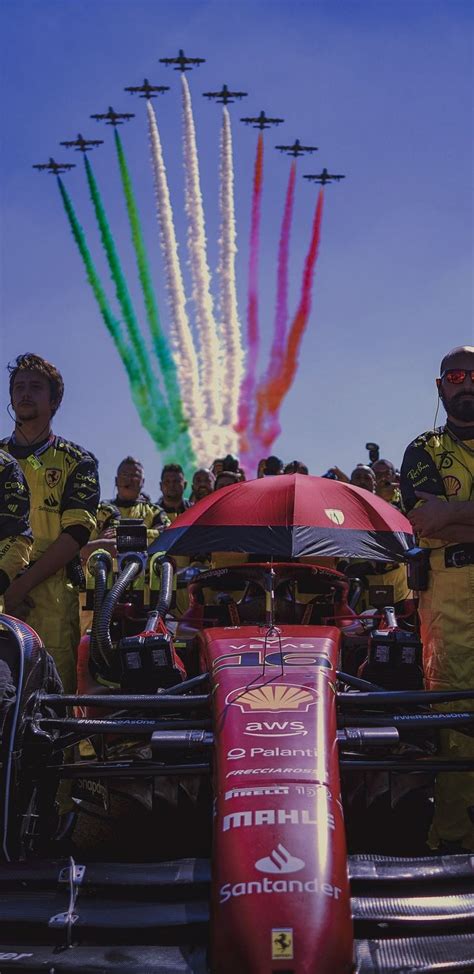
337 517
52 476
282 943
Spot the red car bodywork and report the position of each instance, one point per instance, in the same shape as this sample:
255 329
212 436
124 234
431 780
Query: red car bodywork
280 897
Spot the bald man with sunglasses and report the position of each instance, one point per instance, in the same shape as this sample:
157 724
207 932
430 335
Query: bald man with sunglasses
437 483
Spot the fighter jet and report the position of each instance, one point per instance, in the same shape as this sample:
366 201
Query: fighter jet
225 97
81 144
182 62
262 121
147 90
325 177
113 118
55 167
296 149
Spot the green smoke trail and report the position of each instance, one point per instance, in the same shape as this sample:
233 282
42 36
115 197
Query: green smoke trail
160 344
139 392
157 408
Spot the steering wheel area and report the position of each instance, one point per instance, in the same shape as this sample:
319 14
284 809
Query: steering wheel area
239 595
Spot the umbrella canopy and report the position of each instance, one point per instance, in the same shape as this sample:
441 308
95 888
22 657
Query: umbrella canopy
290 516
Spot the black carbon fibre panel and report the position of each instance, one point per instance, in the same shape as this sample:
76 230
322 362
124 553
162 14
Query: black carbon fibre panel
131 876
422 955
429 868
103 960
415 910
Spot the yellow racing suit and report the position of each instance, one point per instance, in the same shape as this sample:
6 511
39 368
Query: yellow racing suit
64 489
15 532
110 512
440 463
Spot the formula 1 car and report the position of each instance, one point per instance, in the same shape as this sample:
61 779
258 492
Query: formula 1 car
276 755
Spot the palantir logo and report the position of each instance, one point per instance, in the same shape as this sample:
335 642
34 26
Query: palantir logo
280 861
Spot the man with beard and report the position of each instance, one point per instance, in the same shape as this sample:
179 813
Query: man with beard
437 482
173 485
203 484
129 502
173 503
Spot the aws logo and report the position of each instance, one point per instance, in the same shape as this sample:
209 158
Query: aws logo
276 697
275 728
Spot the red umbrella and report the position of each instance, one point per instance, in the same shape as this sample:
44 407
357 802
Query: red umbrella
290 516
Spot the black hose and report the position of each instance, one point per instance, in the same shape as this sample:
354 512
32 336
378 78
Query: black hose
166 589
104 640
166 592
99 568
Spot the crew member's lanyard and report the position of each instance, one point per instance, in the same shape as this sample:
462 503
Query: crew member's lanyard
33 458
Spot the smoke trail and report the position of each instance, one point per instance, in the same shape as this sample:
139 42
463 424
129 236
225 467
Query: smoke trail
247 391
232 351
160 344
138 390
181 337
157 403
209 354
281 312
281 315
277 388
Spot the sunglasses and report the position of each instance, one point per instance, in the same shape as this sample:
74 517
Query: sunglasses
456 376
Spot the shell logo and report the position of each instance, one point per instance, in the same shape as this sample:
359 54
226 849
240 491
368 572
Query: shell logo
452 486
337 517
275 697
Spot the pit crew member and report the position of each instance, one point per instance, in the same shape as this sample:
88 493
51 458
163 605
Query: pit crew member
437 481
63 483
15 532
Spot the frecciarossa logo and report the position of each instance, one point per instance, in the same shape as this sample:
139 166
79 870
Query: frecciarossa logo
274 697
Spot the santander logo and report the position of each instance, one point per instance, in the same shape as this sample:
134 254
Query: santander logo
280 861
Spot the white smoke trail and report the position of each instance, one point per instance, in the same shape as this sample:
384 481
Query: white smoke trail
231 341
201 278
181 337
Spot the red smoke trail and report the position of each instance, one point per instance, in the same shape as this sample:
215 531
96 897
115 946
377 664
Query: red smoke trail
281 313
253 337
276 389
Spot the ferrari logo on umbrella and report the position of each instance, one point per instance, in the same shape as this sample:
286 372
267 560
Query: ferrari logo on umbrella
337 517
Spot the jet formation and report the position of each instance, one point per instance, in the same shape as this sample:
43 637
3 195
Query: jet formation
325 177
80 144
262 121
296 149
55 167
224 96
181 62
147 90
114 118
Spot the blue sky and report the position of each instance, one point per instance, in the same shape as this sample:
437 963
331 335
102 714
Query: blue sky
384 88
